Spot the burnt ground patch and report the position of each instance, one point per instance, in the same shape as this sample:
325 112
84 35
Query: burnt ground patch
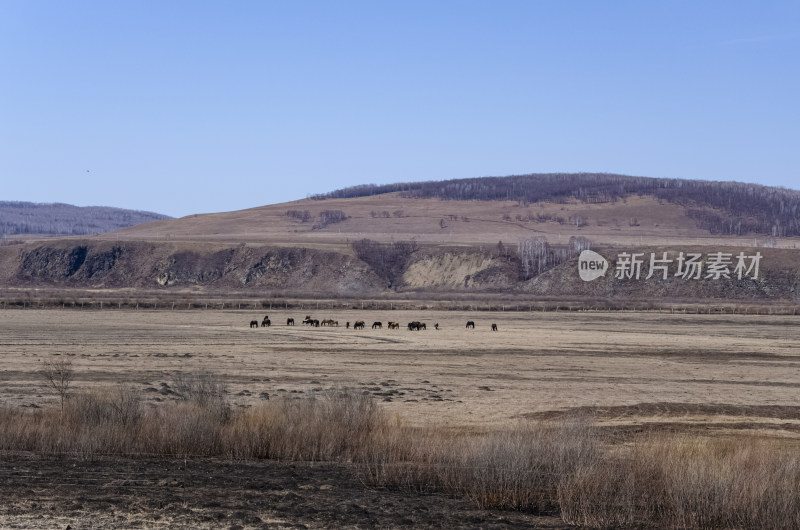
147 491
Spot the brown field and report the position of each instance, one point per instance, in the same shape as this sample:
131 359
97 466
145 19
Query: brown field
720 375
631 367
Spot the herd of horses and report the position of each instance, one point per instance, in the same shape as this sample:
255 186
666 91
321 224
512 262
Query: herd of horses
358 324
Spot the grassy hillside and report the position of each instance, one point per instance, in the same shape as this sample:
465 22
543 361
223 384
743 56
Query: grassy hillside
337 222
740 208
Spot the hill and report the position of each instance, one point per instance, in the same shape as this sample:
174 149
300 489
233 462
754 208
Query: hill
26 218
741 207
517 236
609 209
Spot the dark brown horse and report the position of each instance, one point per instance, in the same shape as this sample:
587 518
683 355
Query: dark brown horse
494 327
359 324
253 324
470 324
290 322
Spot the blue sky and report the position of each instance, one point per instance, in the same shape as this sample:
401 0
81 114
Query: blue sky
187 107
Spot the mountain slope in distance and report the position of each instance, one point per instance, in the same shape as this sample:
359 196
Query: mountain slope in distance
608 209
26 218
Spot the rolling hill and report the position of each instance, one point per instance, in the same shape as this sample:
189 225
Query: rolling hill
516 235
609 209
28 218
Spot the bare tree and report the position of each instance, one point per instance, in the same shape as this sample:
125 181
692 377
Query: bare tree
57 375
388 260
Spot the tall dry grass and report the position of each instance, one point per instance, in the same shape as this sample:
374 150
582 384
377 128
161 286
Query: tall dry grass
333 425
564 468
689 482
515 469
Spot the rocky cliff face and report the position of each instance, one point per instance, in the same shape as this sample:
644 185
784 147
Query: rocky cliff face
104 265
93 264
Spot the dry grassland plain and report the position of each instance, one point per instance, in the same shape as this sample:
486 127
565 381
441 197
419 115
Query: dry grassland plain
711 399
628 370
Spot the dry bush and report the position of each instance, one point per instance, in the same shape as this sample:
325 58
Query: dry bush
336 424
562 467
518 469
204 389
57 374
118 405
688 482
332 425
184 429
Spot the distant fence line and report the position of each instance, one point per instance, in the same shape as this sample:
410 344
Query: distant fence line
390 305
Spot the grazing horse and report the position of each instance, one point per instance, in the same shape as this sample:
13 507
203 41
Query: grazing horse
470 324
308 321
359 324
377 325
415 326
436 326
327 322
347 325
266 323
290 322
394 325
494 327
253 324
316 323
422 326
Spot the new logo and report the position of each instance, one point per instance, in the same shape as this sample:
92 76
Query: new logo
591 265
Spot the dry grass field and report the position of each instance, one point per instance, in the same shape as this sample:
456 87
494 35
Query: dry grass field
595 419
391 217
627 368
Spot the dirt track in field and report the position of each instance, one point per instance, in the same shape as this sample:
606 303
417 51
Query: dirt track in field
645 366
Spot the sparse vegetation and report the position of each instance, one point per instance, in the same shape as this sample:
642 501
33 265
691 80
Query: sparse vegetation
325 217
536 255
329 217
57 374
301 215
564 467
388 260
733 208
